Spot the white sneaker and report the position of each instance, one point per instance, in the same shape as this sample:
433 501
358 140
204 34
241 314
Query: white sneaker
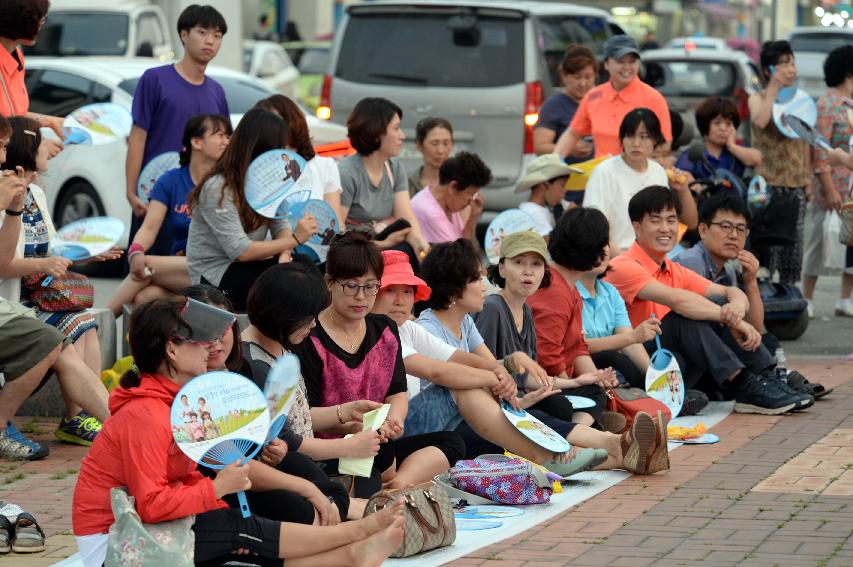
810 308
844 308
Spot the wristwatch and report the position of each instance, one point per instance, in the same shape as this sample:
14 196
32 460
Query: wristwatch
12 213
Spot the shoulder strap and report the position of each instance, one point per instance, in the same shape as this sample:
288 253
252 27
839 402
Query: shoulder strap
390 175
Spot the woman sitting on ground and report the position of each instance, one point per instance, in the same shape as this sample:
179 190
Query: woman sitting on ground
298 498
205 138
447 385
136 450
375 188
33 264
227 245
354 355
282 306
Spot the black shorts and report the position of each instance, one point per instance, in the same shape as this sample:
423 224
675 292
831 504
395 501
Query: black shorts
219 533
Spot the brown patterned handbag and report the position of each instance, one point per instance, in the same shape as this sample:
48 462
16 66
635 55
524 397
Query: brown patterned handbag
430 523
845 236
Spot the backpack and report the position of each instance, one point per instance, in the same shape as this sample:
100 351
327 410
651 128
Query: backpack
501 479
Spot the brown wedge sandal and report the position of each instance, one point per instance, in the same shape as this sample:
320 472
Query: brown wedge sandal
659 458
642 434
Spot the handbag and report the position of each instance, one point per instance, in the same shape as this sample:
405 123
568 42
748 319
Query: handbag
71 292
845 214
502 479
631 401
133 544
430 523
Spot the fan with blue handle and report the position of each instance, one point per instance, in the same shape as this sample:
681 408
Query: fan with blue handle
272 179
664 381
220 418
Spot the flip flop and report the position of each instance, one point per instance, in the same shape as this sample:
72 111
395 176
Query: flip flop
29 537
798 382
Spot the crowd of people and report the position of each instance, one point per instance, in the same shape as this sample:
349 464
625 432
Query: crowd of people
397 313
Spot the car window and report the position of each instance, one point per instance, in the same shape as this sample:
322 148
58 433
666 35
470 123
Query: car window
558 32
314 61
438 49
69 33
148 35
690 78
820 42
58 94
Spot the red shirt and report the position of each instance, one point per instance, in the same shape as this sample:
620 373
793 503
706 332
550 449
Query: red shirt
12 71
602 109
558 315
635 269
136 449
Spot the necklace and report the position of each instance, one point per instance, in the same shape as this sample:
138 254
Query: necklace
346 335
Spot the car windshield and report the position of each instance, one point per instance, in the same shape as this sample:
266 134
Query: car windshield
820 42
240 93
557 33
690 78
444 48
69 33
314 61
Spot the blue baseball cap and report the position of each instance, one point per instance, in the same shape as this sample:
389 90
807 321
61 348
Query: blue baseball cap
618 46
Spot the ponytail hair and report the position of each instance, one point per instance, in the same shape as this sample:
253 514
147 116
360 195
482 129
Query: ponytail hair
199 126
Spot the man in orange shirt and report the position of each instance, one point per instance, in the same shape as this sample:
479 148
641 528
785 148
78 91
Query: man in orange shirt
602 109
711 337
20 23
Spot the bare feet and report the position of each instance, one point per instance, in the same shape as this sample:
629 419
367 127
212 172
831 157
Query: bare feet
380 520
378 547
356 508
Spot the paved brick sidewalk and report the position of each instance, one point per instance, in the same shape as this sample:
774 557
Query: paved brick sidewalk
712 507
704 510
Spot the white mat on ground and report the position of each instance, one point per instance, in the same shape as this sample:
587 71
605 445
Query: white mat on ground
582 487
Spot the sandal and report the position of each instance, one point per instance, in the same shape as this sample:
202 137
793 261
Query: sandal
798 382
29 537
5 534
659 458
635 453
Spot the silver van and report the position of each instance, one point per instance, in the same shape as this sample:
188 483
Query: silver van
486 66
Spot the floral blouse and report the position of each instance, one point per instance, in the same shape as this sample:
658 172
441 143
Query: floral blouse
835 123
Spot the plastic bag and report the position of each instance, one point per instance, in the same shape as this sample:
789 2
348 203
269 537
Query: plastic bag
833 250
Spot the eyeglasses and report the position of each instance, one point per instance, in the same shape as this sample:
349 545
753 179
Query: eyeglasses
727 228
351 289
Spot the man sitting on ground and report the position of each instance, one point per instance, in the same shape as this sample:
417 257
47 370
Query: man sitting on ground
709 336
721 257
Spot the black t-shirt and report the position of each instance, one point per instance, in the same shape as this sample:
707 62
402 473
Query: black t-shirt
334 376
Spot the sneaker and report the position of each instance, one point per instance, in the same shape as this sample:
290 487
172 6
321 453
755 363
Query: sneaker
694 402
80 429
15 447
763 395
844 308
780 374
810 308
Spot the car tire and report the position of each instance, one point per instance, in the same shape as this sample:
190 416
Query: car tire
789 329
77 200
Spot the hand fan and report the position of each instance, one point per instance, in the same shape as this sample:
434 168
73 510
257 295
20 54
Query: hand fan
535 430
581 402
799 104
327 220
153 170
86 238
280 391
663 379
757 194
102 122
219 418
271 178
806 132
75 136
508 222
488 512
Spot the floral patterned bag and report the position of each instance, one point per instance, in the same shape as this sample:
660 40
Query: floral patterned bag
134 544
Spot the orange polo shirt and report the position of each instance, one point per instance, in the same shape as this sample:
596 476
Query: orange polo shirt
12 70
632 271
602 109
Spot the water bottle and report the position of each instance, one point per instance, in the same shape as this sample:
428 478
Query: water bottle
780 356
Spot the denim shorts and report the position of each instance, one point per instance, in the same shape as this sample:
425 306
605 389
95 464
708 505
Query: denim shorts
434 409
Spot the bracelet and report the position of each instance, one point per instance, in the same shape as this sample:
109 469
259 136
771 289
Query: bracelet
135 247
12 213
338 411
293 234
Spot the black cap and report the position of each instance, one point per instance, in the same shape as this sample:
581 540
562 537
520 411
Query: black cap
204 323
618 46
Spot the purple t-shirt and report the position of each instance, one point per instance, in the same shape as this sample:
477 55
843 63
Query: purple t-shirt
164 101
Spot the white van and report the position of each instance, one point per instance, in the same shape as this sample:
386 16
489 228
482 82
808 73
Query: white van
486 66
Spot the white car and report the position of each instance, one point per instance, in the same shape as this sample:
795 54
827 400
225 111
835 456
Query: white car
268 61
811 45
86 181
692 43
